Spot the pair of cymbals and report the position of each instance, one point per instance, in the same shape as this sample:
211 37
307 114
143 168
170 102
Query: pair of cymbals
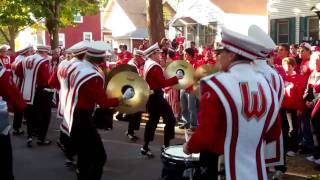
187 70
122 78
205 70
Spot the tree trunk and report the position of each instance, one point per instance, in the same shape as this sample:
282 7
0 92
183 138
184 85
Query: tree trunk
155 22
12 35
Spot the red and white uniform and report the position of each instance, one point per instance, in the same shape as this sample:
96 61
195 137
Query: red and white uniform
5 61
229 123
9 91
64 68
274 152
139 69
14 65
153 74
34 72
82 88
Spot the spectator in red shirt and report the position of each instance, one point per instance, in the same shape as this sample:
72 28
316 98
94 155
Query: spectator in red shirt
180 53
304 55
180 39
283 52
291 103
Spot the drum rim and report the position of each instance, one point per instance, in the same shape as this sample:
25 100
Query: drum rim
178 158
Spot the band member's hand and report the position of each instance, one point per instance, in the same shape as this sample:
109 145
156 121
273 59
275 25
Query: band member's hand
179 74
309 104
185 148
128 94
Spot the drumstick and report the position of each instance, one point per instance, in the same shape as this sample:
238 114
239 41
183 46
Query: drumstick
186 136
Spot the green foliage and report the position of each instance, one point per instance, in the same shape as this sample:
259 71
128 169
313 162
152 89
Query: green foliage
14 13
62 11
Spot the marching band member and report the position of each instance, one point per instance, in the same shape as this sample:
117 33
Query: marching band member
85 85
9 93
153 74
18 115
4 58
78 50
34 72
276 147
237 107
134 119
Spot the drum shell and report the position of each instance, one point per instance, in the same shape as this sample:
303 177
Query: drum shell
173 168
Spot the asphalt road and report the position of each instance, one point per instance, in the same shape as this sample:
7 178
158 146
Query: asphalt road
124 159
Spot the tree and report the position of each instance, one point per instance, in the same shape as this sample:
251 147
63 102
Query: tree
155 22
60 13
14 16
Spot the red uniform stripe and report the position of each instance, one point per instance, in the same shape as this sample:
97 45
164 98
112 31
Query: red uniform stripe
235 126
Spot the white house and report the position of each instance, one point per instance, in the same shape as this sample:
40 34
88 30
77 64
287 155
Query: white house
292 21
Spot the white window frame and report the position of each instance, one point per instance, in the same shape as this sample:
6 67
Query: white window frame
87 33
278 25
62 38
76 20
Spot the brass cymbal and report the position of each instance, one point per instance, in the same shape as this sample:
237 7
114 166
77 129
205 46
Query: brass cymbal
205 70
126 79
186 68
120 68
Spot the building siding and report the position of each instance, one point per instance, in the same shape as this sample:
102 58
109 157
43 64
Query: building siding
281 9
74 34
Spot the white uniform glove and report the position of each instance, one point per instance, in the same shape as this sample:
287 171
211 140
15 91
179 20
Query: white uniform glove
128 94
179 74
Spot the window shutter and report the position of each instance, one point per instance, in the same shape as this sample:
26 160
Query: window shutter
302 28
292 30
273 30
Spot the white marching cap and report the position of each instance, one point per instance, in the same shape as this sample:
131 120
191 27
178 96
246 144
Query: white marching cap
43 48
4 47
262 37
152 49
25 48
242 45
96 49
79 48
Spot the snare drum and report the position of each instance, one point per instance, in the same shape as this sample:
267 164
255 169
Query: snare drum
176 162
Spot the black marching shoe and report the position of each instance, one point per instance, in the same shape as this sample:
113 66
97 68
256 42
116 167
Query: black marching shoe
29 142
44 142
132 137
146 152
17 132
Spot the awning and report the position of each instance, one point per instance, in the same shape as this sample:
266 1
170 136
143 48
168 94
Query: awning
139 33
202 12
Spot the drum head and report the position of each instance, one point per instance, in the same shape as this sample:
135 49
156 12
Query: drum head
176 152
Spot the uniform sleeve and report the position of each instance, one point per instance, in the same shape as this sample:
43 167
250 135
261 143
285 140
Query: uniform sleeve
274 132
43 74
157 80
95 89
53 81
19 70
210 134
10 93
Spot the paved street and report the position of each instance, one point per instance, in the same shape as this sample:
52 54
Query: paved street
124 161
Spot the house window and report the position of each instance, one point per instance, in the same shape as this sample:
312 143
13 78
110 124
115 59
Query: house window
78 18
62 40
313 28
87 36
283 31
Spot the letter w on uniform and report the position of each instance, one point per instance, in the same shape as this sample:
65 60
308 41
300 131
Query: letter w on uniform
254 103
